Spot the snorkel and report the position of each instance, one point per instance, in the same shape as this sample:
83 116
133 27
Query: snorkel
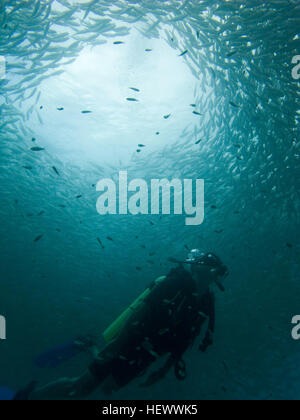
198 258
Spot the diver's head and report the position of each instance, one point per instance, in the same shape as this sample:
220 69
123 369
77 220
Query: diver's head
207 267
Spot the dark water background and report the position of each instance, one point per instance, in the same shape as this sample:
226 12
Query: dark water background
65 284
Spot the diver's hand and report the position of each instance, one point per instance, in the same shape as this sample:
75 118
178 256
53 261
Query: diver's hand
208 341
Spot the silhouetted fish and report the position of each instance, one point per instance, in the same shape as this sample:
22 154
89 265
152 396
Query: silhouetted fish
231 54
55 170
183 53
100 242
38 238
37 149
234 105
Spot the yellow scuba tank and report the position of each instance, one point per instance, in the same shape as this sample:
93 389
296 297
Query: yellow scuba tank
114 329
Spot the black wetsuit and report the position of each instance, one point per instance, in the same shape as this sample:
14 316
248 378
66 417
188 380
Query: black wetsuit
168 322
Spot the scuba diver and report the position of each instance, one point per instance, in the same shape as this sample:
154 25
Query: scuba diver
164 321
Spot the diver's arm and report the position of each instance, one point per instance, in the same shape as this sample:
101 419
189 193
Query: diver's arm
67 388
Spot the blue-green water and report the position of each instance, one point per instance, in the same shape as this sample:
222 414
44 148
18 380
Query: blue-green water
238 72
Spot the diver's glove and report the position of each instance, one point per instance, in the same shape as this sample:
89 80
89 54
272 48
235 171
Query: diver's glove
208 341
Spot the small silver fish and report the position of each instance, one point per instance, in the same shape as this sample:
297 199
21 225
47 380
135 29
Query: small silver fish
37 149
183 53
55 170
38 238
231 54
100 243
234 105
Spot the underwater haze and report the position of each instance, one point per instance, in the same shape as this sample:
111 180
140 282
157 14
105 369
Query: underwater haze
161 89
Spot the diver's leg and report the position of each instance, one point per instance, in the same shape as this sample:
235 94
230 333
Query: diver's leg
110 386
67 388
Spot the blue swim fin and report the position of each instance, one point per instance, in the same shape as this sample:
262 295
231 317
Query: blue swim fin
58 355
23 394
6 394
